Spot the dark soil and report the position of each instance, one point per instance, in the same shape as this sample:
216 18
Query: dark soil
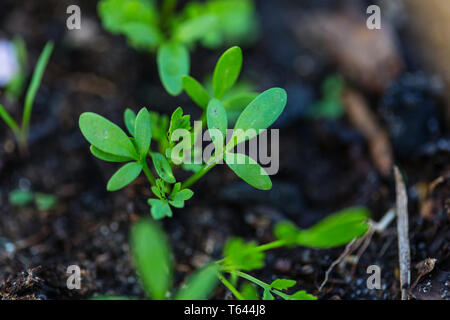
325 166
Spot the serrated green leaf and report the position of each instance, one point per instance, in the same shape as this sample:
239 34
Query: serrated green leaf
179 121
243 256
129 118
200 285
159 208
124 176
45 201
337 229
162 167
248 170
216 117
151 252
302 295
282 284
177 199
173 64
106 136
108 156
258 115
227 71
143 132
195 91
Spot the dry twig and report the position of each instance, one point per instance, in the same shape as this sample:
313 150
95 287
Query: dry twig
404 253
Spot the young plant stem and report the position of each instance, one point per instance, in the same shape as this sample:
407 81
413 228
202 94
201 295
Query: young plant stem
9 121
230 287
148 173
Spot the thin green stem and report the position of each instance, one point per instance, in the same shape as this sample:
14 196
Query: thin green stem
148 173
271 245
230 287
167 10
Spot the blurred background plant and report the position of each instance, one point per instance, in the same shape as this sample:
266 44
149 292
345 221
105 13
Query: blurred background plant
172 34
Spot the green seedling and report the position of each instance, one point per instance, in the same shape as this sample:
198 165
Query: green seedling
153 259
330 105
21 132
172 34
336 230
110 143
42 201
154 263
15 87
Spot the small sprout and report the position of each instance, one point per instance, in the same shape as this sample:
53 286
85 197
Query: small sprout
21 131
42 201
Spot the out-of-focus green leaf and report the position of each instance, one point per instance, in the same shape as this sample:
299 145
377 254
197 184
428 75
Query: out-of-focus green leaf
195 91
20 197
240 255
200 285
173 64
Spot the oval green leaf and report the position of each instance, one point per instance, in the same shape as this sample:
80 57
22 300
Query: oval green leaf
173 63
195 91
336 230
227 71
106 136
124 176
200 285
143 132
248 170
151 253
162 167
